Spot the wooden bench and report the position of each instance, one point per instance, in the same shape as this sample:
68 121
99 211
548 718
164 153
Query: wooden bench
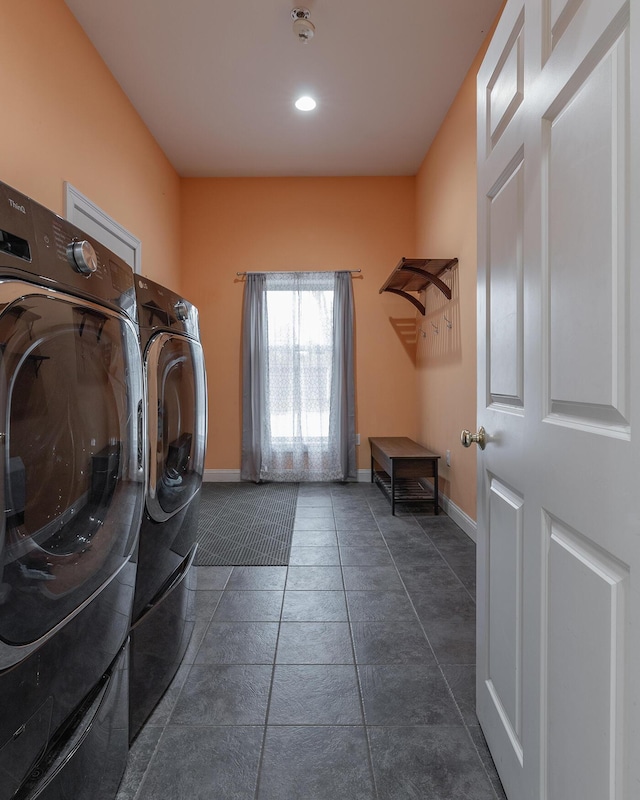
402 465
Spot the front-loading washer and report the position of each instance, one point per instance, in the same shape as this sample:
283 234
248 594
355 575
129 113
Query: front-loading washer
175 381
72 478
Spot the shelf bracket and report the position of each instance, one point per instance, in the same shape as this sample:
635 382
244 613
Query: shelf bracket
415 274
446 290
410 298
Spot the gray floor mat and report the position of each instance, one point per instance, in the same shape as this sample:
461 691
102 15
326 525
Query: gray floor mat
246 524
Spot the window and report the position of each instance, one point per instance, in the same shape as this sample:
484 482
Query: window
298 388
300 352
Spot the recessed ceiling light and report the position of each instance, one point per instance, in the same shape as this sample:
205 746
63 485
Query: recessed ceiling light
305 103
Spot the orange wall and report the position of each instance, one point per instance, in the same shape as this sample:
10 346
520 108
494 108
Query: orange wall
66 119
238 224
446 222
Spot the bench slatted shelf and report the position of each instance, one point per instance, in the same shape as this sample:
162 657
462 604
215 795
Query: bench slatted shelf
400 466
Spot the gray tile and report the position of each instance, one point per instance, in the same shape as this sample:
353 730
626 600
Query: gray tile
406 695
356 504
483 751
368 538
391 642
428 577
314 556
139 756
378 502
313 501
249 606
314 538
462 682
199 630
315 763
223 695
363 556
466 572
206 602
238 643
407 536
346 522
415 553
317 698
410 509
213 577
318 578
448 604
314 523
371 578
314 606
314 512
163 710
387 523
453 643
455 549
379 606
438 763
352 511
444 532
265 578
427 515
204 763
314 643
315 695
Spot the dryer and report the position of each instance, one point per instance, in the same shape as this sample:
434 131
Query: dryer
175 381
72 480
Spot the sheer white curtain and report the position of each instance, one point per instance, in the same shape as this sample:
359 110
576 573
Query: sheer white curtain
298 388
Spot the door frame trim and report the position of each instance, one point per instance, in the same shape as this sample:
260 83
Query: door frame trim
78 205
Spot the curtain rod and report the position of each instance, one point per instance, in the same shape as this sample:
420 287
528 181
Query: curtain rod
286 272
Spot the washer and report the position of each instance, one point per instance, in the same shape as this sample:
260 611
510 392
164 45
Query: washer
72 481
175 380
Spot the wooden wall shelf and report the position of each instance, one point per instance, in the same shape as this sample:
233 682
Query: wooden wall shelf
415 274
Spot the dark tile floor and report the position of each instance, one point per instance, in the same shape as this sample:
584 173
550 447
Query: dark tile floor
348 675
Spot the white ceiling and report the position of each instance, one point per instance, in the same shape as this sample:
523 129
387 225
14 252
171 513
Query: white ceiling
215 80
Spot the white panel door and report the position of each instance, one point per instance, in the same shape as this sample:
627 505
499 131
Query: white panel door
558 669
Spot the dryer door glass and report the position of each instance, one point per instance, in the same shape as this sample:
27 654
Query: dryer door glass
177 423
71 397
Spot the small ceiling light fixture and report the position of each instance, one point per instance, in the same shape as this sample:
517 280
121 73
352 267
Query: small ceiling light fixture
303 28
305 103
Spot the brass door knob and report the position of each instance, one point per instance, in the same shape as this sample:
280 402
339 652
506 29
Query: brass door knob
467 438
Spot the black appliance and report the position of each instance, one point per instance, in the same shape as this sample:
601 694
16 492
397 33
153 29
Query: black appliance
72 478
175 381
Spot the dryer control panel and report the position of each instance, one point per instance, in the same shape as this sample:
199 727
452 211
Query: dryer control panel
161 309
40 246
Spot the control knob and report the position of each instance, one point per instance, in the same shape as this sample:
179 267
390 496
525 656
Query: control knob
182 310
82 257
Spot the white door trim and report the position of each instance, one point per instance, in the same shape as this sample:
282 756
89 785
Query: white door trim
79 210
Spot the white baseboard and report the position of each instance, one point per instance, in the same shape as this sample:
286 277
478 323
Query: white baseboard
461 518
221 475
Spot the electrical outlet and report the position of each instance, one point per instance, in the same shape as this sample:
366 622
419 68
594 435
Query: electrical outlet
357 438
448 458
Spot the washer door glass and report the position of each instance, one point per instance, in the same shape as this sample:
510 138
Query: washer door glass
177 423
71 393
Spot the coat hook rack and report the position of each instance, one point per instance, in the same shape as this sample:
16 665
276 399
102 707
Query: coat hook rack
415 274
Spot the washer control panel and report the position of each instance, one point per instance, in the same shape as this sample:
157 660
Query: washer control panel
82 257
43 247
